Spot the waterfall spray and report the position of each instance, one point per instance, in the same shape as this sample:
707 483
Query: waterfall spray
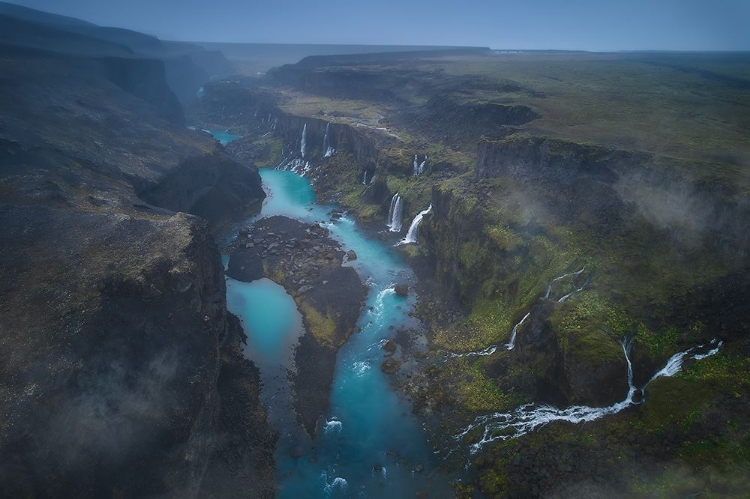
396 214
328 150
303 142
411 236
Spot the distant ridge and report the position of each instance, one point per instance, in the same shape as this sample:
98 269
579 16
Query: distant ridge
37 16
368 58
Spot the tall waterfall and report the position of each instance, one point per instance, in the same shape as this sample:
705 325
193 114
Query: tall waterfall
411 236
328 150
364 178
303 142
418 167
529 417
396 214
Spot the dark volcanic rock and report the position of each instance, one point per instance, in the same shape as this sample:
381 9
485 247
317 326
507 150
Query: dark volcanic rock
126 377
390 366
390 346
401 289
245 265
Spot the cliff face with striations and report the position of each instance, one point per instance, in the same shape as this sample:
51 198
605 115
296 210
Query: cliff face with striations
122 368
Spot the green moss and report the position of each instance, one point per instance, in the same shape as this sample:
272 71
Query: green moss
503 237
321 326
658 345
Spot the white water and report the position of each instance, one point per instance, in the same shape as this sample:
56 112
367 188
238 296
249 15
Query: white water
296 165
514 332
529 417
512 343
328 150
559 278
334 425
418 168
411 235
396 214
364 178
303 141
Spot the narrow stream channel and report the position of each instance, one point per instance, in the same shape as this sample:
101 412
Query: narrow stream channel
371 444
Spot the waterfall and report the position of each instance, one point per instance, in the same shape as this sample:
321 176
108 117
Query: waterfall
396 214
421 165
364 178
512 343
298 166
416 166
303 142
328 150
529 417
559 278
411 236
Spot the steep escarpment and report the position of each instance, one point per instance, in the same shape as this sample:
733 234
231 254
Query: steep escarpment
689 200
145 78
122 367
185 65
112 385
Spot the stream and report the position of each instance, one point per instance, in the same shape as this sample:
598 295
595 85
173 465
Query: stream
370 445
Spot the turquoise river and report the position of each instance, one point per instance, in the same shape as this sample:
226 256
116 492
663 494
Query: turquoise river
370 444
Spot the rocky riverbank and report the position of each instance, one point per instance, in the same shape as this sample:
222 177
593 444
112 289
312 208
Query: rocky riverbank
308 263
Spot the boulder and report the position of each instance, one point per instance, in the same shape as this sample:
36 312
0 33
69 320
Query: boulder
389 346
401 289
390 366
351 255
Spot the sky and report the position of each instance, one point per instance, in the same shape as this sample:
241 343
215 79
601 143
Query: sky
599 25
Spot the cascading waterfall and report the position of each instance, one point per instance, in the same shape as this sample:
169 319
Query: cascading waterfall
396 214
364 178
559 278
512 343
418 167
411 235
421 165
296 165
328 150
303 141
529 417
514 332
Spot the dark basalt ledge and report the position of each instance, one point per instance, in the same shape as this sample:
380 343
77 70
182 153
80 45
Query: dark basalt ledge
308 263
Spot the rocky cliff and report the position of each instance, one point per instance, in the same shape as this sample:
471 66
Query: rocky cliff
122 369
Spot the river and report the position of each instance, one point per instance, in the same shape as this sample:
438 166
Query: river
371 444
